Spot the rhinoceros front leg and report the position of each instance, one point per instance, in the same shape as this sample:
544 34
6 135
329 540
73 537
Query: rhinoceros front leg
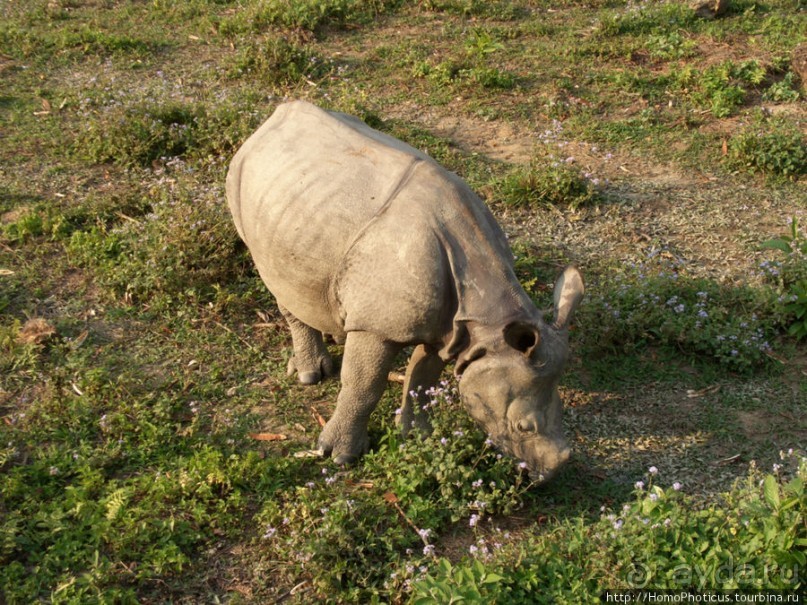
365 365
423 371
311 359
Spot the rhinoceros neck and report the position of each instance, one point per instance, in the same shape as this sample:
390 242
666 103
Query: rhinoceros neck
488 294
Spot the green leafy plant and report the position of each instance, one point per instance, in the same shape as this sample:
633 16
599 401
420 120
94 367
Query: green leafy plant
655 302
752 539
30 224
722 88
785 90
773 147
791 276
547 182
464 584
277 61
184 247
671 45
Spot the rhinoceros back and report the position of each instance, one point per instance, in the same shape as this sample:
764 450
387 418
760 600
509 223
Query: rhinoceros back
301 191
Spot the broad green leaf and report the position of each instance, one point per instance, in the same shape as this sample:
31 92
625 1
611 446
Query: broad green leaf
777 244
771 492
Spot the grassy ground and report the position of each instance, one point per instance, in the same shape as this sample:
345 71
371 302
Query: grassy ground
142 363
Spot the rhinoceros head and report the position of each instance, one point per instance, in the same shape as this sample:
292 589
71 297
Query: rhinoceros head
509 382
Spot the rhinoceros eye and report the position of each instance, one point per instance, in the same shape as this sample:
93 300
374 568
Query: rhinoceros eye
523 337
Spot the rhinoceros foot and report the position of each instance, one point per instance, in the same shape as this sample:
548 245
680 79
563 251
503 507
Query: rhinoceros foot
311 372
344 444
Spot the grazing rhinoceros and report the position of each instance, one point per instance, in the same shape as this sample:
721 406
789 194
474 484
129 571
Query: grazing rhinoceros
361 236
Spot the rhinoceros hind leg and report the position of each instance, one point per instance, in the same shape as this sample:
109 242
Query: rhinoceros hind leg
365 366
311 360
423 371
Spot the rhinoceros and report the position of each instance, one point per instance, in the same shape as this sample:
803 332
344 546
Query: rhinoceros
361 236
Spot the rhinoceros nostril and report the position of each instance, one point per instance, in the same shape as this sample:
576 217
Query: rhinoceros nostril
527 425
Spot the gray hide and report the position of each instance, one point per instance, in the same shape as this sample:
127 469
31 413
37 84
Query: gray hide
359 235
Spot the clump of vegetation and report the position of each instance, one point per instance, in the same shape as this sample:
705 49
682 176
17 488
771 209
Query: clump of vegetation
722 88
655 302
185 246
140 134
142 127
410 491
790 276
553 183
551 179
785 90
277 61
309 15
751 540
773 147
671 45
473 68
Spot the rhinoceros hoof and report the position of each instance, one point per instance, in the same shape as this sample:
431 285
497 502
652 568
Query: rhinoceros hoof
345 459
344 446
309 377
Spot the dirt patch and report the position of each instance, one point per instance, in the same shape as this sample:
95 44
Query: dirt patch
755 424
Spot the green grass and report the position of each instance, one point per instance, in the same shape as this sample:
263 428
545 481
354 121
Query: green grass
140 352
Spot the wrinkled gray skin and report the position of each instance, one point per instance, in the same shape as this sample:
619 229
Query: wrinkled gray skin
361 236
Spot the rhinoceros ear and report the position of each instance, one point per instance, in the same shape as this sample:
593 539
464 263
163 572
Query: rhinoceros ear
569 291
522 336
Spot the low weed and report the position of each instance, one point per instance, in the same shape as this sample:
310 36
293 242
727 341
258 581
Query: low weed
655 302
671 45
31 224
722 88
551 179
785 90
774 147
186 246
144 127
358 531
554 183
662 539
450 72
277 62
790 276
309 15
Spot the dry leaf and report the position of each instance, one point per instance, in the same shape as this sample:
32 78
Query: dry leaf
318 417
309 454
79 340
35 331
725 147
691 394
267 436
391 498
362 484
728 460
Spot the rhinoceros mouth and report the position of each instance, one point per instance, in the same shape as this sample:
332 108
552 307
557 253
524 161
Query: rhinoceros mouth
542 458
